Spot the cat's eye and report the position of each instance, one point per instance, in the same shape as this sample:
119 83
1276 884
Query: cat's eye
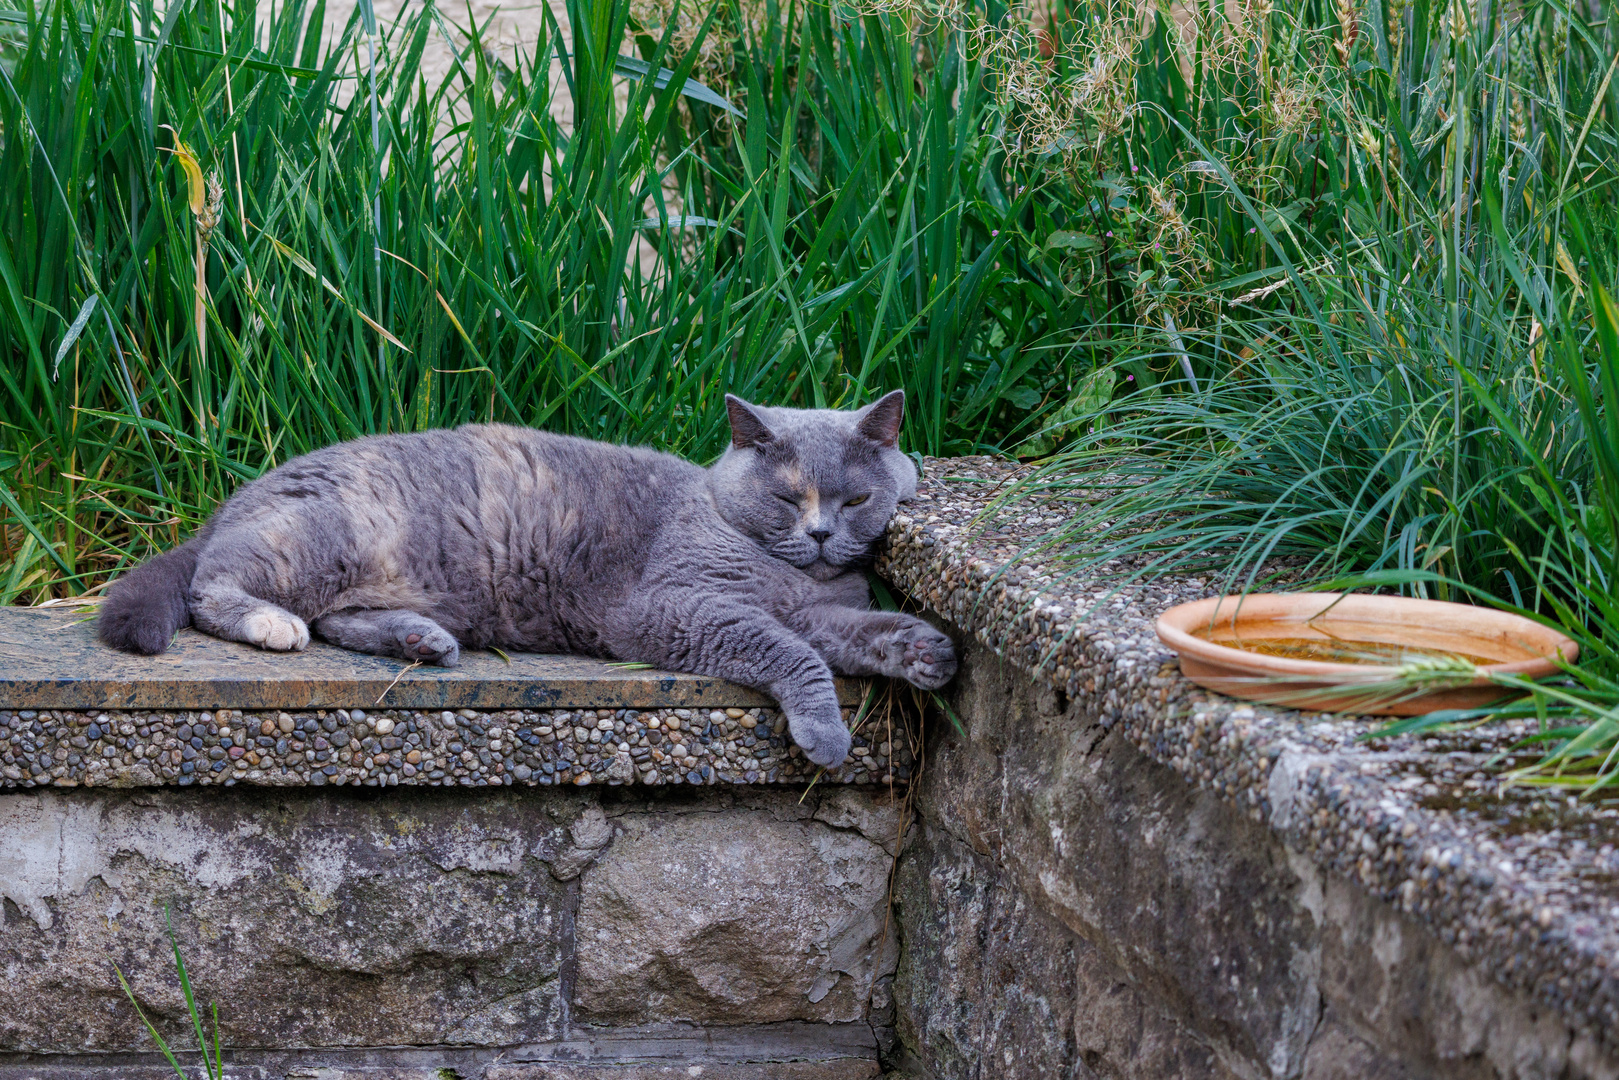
857 500
789 500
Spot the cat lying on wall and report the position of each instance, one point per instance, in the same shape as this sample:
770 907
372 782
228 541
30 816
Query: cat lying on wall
413 546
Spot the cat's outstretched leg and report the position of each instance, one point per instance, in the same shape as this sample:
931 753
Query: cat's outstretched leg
222 608
856 642
404 634
746 646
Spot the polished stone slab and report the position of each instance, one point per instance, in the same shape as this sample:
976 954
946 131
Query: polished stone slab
50 659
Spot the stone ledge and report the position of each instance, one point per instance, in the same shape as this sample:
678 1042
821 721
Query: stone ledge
50 659
73 713
1523 886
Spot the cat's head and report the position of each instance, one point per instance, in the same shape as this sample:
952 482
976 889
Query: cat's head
815 487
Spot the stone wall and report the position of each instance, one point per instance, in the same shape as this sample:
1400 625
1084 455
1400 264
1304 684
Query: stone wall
1069 907
1115 873
527 867
511 932
1092 869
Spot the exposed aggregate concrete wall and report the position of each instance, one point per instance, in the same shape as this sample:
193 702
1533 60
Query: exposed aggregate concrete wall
1071 908
1116 874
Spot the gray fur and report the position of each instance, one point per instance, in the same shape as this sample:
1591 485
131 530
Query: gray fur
415 546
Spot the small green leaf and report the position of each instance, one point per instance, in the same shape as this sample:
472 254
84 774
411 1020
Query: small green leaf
1073 241
86 309
1024 397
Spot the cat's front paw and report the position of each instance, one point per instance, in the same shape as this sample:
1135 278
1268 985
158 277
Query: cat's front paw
821 734
927 657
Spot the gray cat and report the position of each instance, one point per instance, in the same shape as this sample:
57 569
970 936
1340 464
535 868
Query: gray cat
413 546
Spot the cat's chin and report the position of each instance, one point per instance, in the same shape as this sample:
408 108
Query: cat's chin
821 570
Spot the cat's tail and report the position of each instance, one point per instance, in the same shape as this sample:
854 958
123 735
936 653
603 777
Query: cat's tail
150 602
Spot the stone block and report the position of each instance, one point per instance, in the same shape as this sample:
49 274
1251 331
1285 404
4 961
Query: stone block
759 914
313 919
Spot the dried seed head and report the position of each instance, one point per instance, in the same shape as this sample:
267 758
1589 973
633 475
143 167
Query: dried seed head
1396 27
1520 119
1370 144
208 218
1348 29
1291 106
1172 231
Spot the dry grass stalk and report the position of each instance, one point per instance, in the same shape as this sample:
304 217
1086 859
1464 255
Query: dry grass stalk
204 198
207 220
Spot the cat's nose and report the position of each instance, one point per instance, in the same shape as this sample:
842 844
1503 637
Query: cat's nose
818 535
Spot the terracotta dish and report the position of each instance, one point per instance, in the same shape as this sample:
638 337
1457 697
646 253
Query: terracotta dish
1331 652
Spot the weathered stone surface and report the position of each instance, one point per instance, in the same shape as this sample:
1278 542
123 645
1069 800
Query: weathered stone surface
50 659
1336 1053
492 920
1171 886
1409 998
985 985
1071 908
311 919
833 1069
760 913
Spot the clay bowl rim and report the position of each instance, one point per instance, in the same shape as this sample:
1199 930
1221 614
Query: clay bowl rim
1172 630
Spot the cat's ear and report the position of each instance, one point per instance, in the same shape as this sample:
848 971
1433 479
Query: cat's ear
880 420
748 428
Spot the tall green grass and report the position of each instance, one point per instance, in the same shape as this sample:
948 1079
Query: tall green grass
1425 399
835 228
1351 414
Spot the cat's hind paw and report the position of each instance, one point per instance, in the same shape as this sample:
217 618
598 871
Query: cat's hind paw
927 658
276 630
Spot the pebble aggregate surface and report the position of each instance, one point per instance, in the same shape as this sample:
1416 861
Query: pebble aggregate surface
468 748
1521 881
